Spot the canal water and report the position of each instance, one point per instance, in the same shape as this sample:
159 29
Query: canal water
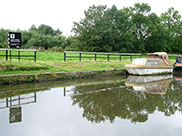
109 106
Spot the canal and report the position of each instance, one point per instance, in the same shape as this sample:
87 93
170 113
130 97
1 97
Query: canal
109 106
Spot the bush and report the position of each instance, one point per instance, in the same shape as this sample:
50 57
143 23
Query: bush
56 49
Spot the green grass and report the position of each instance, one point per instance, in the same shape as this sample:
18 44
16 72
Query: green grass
54 62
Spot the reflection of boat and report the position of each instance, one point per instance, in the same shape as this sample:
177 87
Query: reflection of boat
178 64
178 80
178 77
155 63
152 84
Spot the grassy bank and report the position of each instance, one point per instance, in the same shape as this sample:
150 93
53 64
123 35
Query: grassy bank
54 62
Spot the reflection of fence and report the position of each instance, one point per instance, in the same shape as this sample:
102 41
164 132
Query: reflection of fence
14 104
17 101
8 54
97 55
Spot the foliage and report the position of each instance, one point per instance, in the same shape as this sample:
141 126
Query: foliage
132 29
103 29
3 38
42 37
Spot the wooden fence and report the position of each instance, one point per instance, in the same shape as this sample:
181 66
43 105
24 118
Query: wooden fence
8 53
95 55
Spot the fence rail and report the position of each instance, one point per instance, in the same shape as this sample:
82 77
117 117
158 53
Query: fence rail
8 53
95 56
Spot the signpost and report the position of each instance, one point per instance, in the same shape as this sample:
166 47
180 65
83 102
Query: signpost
14 40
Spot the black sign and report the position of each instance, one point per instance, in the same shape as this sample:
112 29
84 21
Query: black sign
15 115
14 40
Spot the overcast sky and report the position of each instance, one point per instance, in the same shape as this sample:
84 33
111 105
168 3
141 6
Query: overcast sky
60 14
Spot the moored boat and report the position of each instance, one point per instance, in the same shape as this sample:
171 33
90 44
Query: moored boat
155 63
178 64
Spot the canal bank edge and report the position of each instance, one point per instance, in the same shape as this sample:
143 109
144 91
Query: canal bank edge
42 77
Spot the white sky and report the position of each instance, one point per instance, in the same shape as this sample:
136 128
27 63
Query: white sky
60 14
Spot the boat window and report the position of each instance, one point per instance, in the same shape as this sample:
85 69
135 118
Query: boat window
139 61
152 62
152 86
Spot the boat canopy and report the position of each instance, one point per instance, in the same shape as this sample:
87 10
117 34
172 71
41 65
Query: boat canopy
157 54
161 55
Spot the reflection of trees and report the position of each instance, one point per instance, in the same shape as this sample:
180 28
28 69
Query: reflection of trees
108 101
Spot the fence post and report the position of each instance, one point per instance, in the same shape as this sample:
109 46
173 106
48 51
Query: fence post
6 55
64 91
130 58
18 55
120 58
107 57
6 102
10 55
35 56
95 57
80 57
64 56
35 96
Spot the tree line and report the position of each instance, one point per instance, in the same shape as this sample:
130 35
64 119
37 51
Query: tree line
103 29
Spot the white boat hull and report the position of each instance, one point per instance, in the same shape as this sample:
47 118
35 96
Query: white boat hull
148 71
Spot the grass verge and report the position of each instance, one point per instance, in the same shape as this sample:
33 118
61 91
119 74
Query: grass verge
54 62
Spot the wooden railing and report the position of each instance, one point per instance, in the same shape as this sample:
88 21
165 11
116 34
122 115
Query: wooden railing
95 55
8 53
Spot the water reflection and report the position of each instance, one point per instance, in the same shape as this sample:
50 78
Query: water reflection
14 104
129 98
108 101
152 84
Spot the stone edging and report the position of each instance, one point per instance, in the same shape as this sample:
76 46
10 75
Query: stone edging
28 78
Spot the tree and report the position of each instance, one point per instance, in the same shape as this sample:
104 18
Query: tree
172 22
93 31
139 16
3 38
45 37
156 40
45 30
26 36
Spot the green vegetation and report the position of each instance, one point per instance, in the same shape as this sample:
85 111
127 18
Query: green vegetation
54 62
132 29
